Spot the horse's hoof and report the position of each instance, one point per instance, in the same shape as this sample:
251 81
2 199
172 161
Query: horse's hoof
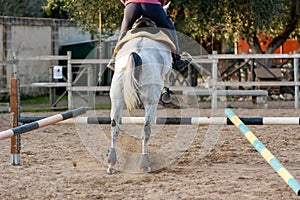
109 171
145 164
112 157
146 169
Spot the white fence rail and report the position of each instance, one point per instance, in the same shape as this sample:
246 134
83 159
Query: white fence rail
212 59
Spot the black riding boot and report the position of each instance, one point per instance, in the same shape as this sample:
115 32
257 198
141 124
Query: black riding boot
178 63
180 66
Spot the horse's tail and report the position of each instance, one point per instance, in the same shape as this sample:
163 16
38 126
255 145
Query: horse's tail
131 85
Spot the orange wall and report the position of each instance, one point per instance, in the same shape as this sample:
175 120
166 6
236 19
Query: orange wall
287 48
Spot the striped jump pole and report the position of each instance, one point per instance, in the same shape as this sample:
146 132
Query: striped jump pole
176 120
41 123
138 120
266 154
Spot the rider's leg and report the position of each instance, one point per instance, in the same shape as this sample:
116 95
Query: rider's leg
132 12
157 14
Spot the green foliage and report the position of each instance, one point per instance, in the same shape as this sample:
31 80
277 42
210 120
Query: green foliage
200 19
239 15
87 13
222 19
22 8
56 9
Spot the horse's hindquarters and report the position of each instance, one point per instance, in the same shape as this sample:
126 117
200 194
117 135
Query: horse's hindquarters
143 82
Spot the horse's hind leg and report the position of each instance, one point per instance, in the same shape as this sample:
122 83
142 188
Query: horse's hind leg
116 112
112 156
149 119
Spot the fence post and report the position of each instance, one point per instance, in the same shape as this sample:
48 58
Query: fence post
15 145
91 103
52 90
69 81
214 101
296 79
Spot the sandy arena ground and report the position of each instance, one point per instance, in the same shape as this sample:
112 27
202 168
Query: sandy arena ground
56 164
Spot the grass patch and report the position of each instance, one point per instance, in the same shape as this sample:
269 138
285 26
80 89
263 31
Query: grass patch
34 100
43 104
102 106
39 103
36 110
46 109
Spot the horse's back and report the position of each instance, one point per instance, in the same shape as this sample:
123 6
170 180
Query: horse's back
151 51
155 62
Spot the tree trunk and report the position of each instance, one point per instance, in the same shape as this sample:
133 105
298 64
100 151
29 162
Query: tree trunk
280 39
290 27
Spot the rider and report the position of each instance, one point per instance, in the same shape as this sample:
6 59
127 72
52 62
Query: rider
152 9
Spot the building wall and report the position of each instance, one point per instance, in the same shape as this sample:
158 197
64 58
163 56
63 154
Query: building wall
2 78
68 35
29 41
29 37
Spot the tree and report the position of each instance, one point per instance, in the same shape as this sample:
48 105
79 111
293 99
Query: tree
56 9
86 13
244 19
201 19
25 8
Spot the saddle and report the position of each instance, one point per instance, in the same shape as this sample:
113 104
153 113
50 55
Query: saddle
143 22
144 27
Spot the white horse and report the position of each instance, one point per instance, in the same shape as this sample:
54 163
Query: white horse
141 64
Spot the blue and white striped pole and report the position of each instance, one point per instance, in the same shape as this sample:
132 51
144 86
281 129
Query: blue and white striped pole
266 154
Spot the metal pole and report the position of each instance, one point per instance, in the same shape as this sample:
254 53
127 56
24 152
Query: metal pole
214 102
296 78
52 89
90 83
69 81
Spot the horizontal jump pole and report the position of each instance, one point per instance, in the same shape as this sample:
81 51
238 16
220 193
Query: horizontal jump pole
176 120
265 153
41 123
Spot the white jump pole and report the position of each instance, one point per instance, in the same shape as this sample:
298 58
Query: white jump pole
41 123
